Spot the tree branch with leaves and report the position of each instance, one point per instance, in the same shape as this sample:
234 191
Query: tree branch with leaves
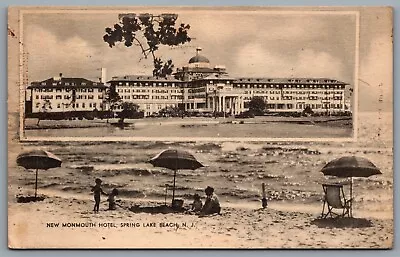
148 32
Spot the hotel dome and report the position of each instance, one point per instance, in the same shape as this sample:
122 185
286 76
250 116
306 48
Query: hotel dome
199 59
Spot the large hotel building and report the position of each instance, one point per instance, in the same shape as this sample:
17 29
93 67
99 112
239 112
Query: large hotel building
197 87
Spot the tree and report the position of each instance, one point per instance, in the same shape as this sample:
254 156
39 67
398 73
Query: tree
257 105
307 111
112 99
149 32
170 111
129 110
45 107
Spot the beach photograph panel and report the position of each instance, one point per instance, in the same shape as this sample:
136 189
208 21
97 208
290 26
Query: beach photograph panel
285 191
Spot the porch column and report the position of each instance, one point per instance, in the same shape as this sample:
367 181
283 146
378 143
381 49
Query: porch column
223 104
214 104
235 103
230 106
219 104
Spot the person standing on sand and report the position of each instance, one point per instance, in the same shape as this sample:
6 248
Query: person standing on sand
211 204
97 191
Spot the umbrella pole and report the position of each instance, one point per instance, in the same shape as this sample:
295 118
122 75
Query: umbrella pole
166 192
36 184
173 189
351 197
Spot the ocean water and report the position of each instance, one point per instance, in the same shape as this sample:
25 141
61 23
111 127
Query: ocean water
291 171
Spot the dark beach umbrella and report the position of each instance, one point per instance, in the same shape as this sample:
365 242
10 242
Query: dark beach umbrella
38 159
175 160
349 167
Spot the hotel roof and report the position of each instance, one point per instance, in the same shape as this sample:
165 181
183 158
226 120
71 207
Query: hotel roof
144 78
290 80
66 83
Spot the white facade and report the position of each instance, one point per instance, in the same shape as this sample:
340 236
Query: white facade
66 95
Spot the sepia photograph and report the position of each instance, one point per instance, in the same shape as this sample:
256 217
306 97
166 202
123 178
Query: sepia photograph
200 127
238 75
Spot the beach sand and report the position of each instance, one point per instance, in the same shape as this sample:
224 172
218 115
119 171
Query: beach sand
240 226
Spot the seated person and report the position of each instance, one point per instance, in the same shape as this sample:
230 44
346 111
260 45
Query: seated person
211 204
111 199
197 203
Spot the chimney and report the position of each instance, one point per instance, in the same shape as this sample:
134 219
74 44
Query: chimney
58 78
103 75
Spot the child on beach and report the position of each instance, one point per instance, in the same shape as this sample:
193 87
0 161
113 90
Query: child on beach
97 191
111 199
197 203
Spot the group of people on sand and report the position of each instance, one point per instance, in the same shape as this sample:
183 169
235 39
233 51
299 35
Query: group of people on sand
98 191
210 206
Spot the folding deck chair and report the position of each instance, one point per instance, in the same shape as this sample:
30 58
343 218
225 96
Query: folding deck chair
335 199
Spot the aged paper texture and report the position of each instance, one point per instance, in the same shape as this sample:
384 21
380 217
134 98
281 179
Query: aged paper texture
189 127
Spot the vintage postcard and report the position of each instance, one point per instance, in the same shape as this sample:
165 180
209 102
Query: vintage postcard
200 127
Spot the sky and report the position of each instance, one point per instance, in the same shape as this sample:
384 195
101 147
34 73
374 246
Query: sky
260 43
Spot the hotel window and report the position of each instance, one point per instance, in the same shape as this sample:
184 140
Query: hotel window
83 90
83 83
58 106
77 105
94 105
90 89
83 105
90 105
43 83
37 97
58 96
90 96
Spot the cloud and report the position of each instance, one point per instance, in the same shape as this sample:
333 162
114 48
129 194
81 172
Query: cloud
256 60
50 55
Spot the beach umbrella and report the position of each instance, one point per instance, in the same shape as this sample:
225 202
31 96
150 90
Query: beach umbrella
38 159
349 167
175 160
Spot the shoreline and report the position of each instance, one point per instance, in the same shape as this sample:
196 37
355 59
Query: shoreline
188 121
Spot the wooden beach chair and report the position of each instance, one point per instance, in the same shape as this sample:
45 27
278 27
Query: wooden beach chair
335 198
